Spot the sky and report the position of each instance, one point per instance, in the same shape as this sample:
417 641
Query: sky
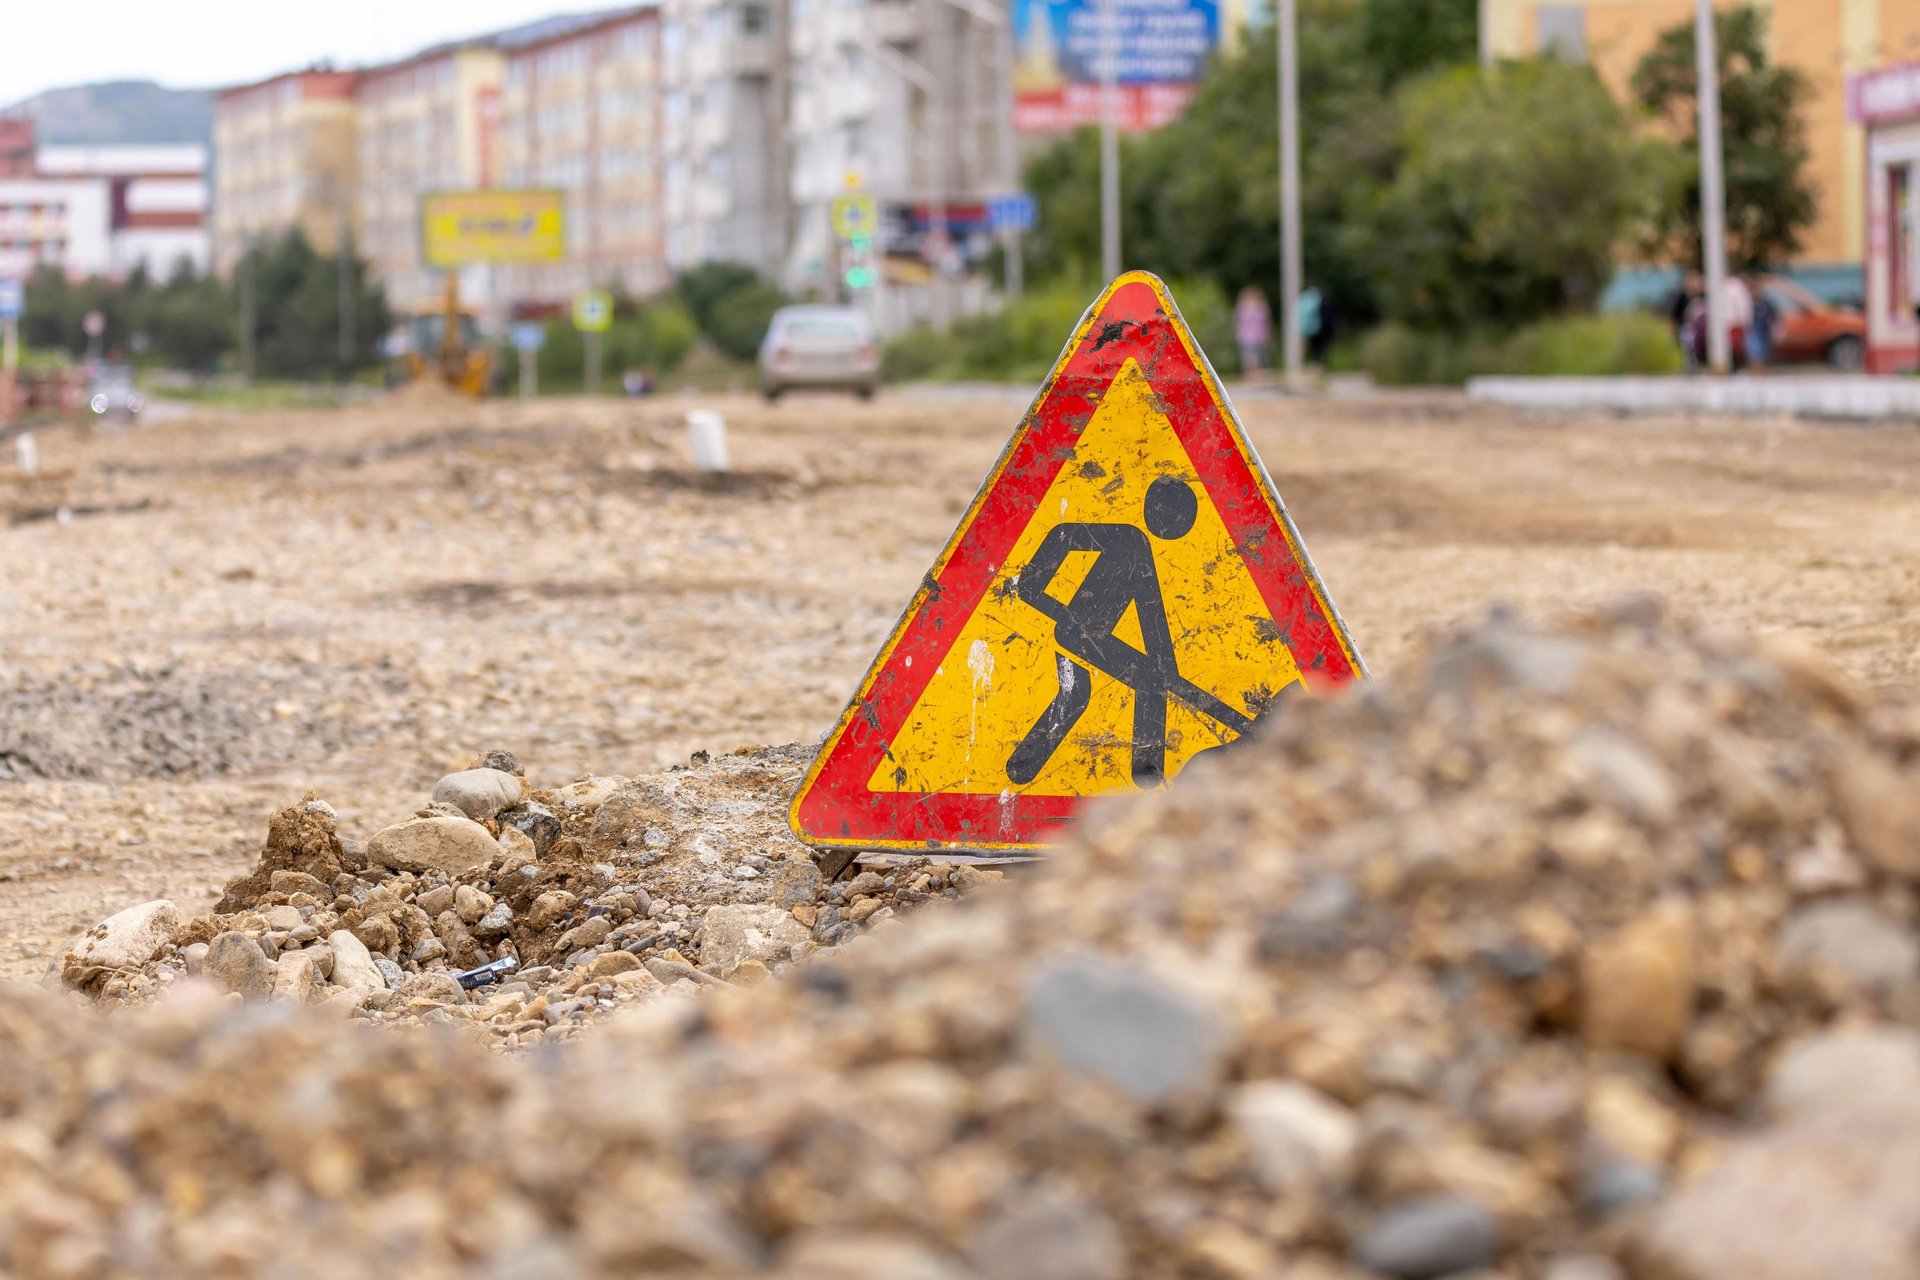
190 44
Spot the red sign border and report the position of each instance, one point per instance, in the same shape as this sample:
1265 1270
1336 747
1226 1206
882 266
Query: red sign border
1134 318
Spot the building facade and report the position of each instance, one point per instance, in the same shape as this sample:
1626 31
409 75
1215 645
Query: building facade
1825 40
157 201
427 123
723 121
910 104
580 112
1886 104
285 153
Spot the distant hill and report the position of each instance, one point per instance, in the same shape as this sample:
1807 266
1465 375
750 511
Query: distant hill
119 111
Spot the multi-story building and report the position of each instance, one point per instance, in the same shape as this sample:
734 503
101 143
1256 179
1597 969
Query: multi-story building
157 201
580 112
910 104
284 154
100 210
63 223
1824 39
426 123
723 110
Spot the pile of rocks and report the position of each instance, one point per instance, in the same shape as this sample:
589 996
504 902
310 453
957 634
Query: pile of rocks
1593 956
598 892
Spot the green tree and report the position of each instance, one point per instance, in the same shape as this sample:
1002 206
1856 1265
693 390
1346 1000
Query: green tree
1200 197
1508 197
296 313
1769 201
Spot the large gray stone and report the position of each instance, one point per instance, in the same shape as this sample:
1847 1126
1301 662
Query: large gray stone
480 793
1851 940
1297 1136
1053 1233
737 932
1150 1040
1430 1236
236 962
353 966
124 940
455 846
1850 1070
1838 1196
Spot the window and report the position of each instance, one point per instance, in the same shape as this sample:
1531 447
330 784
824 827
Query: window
1562 31
754 20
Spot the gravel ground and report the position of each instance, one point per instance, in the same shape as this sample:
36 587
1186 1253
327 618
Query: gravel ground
244 608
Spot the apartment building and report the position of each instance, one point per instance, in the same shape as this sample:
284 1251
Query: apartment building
723 110
285 156
580 111
157 201
430 122
910 103
1825 40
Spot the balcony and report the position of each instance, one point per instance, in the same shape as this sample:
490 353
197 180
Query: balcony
896 21
750 55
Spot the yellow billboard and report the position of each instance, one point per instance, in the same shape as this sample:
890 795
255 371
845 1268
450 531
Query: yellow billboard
499 225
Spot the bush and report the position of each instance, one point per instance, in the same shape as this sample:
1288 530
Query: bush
730 304
656 336
1021 342
1569 346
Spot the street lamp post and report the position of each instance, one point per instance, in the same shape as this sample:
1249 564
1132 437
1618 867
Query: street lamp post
1291 343
1713 196
1110 137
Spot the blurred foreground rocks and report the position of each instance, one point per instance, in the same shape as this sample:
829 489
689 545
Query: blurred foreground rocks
1589 955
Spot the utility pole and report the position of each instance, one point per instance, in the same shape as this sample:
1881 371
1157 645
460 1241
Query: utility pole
1110 137
1291 343
246 309
1713 195
344 270
933 92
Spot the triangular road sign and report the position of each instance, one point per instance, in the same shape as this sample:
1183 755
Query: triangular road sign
1125 592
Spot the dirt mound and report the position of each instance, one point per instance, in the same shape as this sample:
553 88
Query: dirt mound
1591 956
601 892
121 721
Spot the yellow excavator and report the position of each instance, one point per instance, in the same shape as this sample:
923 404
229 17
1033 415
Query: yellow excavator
444 339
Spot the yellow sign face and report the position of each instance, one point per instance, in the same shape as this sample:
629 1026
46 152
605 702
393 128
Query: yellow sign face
462 227
593 311
1125 593
853 216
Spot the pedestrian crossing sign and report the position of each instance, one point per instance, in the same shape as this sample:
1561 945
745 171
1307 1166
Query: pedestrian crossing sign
1125 593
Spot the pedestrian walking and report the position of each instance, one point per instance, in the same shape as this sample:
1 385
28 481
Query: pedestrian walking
1252 328
1759 327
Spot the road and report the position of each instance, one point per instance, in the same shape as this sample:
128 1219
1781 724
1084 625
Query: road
244 608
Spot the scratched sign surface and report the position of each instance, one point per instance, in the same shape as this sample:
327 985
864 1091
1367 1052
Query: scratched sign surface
1125 593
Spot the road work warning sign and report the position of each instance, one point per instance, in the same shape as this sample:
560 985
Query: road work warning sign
1126 592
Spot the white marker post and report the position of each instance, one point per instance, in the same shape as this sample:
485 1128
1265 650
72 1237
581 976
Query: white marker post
707 437
28 453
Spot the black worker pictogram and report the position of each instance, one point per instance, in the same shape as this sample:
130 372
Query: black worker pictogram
1122 576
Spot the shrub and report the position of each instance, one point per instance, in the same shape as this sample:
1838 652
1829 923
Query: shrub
1588 345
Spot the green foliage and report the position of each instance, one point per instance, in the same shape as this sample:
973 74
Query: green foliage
1590 346
730 304
1200 197
296 311
1769 200
186 322
1509 194
1022 342
655 336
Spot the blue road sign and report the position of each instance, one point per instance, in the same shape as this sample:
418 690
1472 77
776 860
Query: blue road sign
527 336
13 299
1017 212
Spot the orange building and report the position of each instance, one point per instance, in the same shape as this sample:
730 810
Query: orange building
1826 40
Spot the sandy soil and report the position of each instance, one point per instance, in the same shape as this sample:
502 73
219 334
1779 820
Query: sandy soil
248 607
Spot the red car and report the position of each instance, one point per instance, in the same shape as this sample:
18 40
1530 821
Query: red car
1805 328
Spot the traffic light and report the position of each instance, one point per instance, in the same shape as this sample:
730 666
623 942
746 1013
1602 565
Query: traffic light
859 277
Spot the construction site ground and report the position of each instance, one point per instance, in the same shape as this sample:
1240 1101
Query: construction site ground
204 618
